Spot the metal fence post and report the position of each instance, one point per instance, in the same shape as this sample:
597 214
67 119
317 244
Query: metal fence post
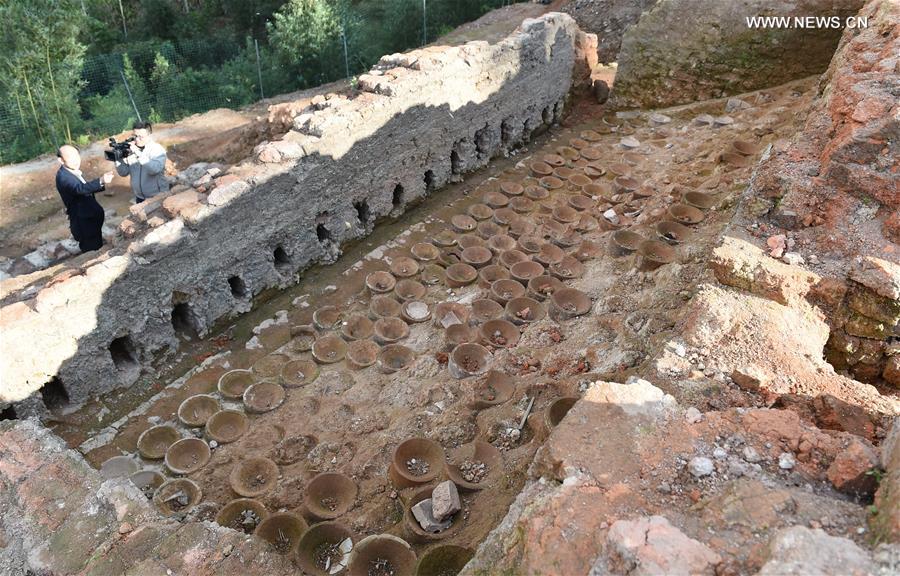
130 97
346 58
258 69
424 22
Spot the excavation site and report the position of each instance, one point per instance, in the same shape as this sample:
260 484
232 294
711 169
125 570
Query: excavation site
575 288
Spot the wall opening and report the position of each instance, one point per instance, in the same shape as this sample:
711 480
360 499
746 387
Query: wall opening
398 197
506 133
547 115
183 321
323 233
8 413
54 394
237 286
281 257
123 353
429 181
363 212
454 162
482 141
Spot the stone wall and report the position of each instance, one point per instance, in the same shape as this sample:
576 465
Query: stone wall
687 50
608 19
417 121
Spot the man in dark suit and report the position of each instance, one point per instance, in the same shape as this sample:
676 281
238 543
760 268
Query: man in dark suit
84 212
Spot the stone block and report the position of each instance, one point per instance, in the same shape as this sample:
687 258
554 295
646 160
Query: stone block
445 501
424 515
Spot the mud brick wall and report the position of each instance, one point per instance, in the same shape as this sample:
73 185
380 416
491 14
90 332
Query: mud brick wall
417 121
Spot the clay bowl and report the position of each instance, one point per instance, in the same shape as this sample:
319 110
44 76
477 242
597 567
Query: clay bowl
415 311
505 290
525 271
237 515
500 333
495 199
684 214
263 397
324 533
447 560
293 449
511 188
196 410
568 303
489 274
597 191
395 357
253 477
477 451
484 309
470 240
390 330
557 410
541 169
655 253
551 183
521 205
699 200
565 214
448 313
154 441
500 243
596 135
592 170
619 169
554 160
580 203
302 338
383 307
521 227
432 275
591 154
408 289
735 159
329 495
549 254
361 354
624 242
460 274
493 389
327 317
510 258
480 211
357 327
329 349
505 216
397 556
673 232
565 238
404 267
118 467
744 148
424 252
269 366
477 256
625 184
578 181
459 334
165 497
420 450
529 244
487 229
147 481
283 531
524 310
227 426
187 455
536 193
463 223
569 268
587 250
233 383
444 239
468 360
563 172
579 143
414 530
543 286
298 373
380 282
569 153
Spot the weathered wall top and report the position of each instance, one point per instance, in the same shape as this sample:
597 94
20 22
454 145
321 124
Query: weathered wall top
200 253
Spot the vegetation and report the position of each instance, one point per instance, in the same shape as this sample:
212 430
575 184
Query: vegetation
76 70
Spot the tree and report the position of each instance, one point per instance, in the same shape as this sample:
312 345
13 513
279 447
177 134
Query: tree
306 35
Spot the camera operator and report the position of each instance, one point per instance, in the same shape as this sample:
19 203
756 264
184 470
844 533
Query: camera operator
145 162
85 213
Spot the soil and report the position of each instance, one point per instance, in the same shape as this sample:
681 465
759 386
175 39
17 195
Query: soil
417 467
327 555
381 567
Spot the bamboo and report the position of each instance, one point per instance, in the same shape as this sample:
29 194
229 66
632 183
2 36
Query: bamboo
37 121
59 113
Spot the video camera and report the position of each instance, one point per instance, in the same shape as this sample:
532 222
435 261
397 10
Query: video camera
118 150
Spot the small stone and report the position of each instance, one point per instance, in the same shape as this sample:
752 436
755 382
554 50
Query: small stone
786 461
793 258
445 500
700 466
719 453
227 550
125 528
213 444
692 415
424 515
751 455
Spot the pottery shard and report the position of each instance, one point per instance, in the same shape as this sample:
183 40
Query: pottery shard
445 500
424 515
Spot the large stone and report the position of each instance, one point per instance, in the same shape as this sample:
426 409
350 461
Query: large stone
652 546
800 551
445 501
852 471
879 275
636 396
423 512
886 522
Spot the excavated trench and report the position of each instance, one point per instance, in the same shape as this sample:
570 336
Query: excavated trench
445 345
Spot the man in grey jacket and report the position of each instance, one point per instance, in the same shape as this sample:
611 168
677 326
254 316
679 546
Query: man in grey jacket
146 164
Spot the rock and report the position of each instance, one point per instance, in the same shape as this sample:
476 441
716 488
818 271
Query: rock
800 551
651 545
735 105
776 245
225 194
786 461
832 413
692 415
892 371
878 275
636 396
700 466
850 472
793 259
749 378
886 523
424 515
125 528
600 90
751 455
445 501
